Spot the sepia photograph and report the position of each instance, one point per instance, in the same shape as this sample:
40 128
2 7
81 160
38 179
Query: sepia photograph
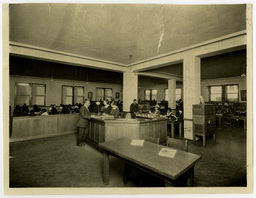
127 98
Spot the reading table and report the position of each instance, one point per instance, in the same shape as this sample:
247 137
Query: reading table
179 166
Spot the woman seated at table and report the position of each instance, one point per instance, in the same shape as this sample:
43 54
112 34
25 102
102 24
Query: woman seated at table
107 107
156 111
170 115
114 111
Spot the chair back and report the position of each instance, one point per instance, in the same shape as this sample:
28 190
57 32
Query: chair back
150 139
177 144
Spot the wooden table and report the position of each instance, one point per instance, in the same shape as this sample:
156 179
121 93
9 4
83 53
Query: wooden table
172 123
243 118
147 159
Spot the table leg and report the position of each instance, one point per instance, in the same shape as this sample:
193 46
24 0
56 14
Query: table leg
180 130
219 122
214 137
190 178
204 139
105 168
172 130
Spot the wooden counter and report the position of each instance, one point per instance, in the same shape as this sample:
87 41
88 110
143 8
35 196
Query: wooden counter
106 130
32 127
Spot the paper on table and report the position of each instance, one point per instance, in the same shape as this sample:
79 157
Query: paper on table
167 152
137 142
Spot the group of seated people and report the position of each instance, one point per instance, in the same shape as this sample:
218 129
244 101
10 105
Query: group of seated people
229 109
63 109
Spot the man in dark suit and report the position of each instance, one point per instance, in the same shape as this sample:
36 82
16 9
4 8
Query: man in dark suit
134 108
83 123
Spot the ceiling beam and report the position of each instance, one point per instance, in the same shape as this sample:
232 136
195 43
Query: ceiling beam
225 44
34 52
161 75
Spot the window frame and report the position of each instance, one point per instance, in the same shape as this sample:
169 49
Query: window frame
73 94
150 94
30 95
104 93
223 92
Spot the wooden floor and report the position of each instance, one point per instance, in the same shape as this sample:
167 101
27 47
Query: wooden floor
58 162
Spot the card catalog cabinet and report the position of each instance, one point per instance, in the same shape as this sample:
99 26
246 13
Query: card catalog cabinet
204 121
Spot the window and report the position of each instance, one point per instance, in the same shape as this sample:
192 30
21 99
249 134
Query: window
224 93
178 93
104 94
216 93
166 94
147 94
72 95
154 94
231 93
78 95
30 94
67 95
150 94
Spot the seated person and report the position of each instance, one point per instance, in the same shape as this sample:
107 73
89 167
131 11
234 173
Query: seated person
156 111
107 108
114 111
17 111
170 114
25 110
36 108
76 108
53 109
44 112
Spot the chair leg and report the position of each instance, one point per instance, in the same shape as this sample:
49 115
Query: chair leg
214 137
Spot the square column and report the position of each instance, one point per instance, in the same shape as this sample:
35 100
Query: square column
130 89
172 94
192 91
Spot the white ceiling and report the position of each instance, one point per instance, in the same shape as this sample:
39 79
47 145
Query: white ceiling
112 32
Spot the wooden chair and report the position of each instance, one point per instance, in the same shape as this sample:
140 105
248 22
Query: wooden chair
177 143
133 173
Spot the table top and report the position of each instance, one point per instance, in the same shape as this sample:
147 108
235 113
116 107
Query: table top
147 156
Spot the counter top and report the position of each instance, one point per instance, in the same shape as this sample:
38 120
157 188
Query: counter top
122 120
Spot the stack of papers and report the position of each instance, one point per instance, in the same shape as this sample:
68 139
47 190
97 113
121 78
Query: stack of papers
165 152
137 142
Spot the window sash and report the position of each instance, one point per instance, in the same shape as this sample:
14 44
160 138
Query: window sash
223 93
104 94
30 94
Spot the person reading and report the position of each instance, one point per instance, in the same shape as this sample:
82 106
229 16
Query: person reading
114 111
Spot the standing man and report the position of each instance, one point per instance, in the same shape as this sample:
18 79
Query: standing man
134 108
83 123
